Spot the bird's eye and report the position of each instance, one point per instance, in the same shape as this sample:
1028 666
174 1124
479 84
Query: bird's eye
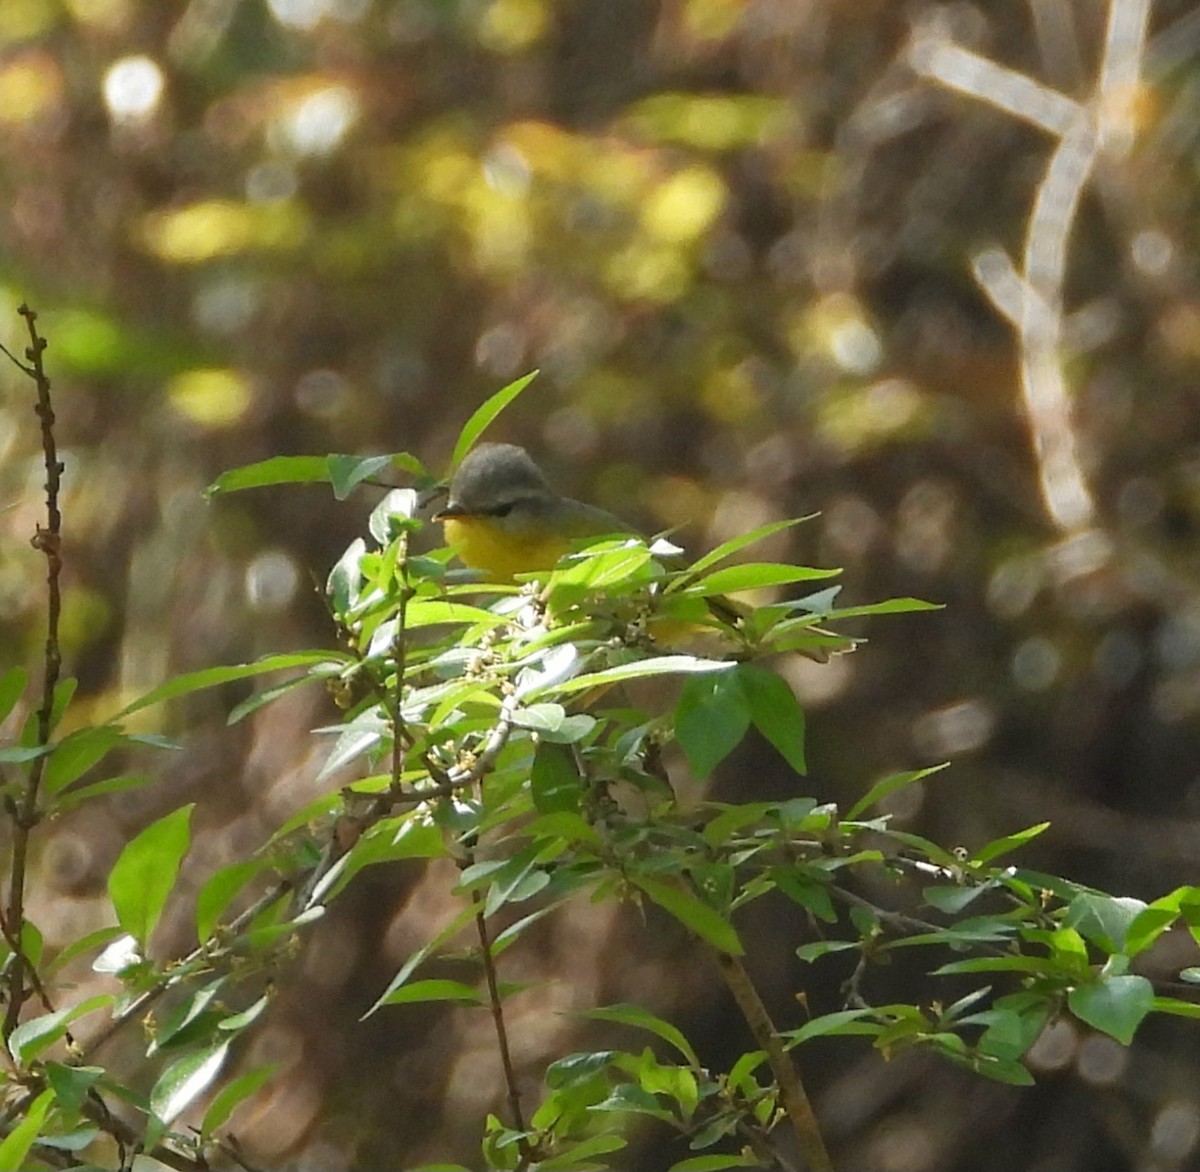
502 510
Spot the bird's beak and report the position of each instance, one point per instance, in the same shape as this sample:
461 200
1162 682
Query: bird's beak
450 512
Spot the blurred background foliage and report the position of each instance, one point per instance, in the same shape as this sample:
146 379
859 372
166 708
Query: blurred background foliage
735 236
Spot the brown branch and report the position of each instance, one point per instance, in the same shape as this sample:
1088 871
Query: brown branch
791 1090
24 810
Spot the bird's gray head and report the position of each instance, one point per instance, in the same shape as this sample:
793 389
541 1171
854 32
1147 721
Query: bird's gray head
492 479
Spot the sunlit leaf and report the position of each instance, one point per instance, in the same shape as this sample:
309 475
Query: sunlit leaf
484 414
144 874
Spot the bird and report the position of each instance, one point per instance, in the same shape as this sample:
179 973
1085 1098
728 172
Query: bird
504 518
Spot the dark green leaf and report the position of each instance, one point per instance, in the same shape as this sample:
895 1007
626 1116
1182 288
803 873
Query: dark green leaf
72 1083
711 719
1114 1006
554 779
775 711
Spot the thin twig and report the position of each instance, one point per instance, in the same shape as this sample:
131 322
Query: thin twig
24 811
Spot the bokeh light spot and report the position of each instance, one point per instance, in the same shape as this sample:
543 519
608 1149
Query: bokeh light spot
30 87
684 206
317 123
133 88
213 398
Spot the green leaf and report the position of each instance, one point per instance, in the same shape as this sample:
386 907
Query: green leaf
635 1015
711 719
432 991
71 1084
12 687
1001 846
219 890
952 900
144 874
484 414
185 1080
889 785
14 1151
231 1096
213 677
888 606
730 547
36 1035
76 754
1115 1006
1103 919
276 470
698 917
554 779
94 789
575 1156
654 665
745 1159
1150 923
833 1023
346 473
775 711
755 576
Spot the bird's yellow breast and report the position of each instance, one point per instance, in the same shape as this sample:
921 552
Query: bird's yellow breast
483 543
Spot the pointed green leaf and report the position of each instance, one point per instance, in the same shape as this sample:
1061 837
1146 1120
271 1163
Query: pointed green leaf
484 414
14 1150
755 576
711 719
1010 842
144 874
346 473
730 547
775 711
432 991
889 785
213 677
698 917
635 1015
276 470
185 1080
230 1097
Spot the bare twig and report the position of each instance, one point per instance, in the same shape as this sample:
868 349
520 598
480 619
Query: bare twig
24 810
